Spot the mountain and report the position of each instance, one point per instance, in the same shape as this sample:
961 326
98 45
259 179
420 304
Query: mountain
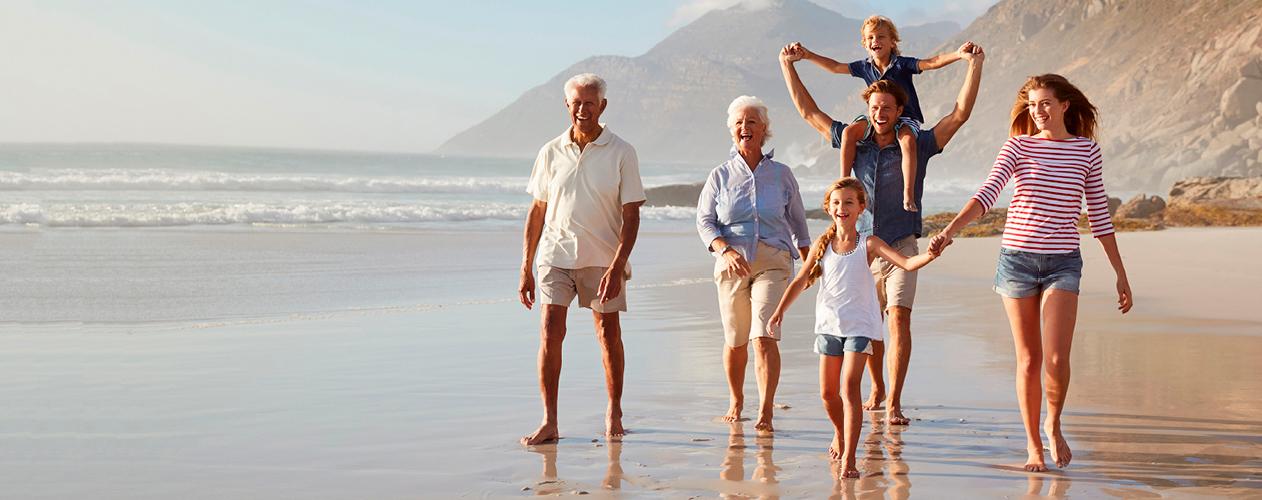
1177 84
671 102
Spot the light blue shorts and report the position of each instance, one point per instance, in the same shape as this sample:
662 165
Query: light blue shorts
1026 274
832 345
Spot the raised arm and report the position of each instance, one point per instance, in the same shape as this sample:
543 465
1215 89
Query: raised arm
879 248
986 196
951 123
829 64
802 99
943 59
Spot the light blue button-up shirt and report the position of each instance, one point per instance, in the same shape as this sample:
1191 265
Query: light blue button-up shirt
745 206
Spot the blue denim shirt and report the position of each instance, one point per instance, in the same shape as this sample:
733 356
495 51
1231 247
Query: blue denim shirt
900 71
745 206
881 172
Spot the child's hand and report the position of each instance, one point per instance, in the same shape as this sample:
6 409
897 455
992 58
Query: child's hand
806 53
791 52
966 48
939 243
974 53
773 324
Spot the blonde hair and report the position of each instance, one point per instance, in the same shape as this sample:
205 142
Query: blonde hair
826 239
748 102
873 23
1080 118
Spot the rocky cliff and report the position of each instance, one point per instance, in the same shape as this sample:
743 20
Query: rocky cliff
1178 83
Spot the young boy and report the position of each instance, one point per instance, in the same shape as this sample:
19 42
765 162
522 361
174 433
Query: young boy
880 38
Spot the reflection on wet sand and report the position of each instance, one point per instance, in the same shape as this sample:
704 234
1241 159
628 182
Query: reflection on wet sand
1058 486
762 482
551 484
884 474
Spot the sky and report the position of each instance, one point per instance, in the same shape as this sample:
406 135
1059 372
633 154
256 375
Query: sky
324 74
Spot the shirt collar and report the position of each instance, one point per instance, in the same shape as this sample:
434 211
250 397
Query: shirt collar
601 140
734 154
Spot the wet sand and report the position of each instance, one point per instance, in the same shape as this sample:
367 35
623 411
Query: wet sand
430 401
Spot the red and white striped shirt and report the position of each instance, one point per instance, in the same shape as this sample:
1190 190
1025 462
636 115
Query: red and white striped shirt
1051 178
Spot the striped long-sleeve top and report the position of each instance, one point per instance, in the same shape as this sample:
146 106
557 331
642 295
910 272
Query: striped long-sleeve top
1051 178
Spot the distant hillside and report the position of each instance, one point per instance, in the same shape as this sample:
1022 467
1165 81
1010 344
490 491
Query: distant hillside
671 102
1177 83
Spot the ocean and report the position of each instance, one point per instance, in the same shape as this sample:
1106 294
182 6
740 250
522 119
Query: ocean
143 235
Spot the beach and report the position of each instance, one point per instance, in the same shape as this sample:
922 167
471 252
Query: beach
418 382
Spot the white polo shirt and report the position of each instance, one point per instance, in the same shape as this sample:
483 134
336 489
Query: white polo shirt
585 192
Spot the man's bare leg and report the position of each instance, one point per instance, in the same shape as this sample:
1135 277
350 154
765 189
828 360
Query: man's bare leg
734 361
876 369
609 331
551 335
767 352
899 354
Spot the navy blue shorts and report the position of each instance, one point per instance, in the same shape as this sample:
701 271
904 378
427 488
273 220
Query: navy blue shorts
1026 274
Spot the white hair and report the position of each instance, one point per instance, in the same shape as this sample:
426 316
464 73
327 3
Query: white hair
748 102
585 80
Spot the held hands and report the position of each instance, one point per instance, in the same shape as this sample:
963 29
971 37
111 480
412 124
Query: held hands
736 262
526 288
971 51
1124 297
792 52
939 243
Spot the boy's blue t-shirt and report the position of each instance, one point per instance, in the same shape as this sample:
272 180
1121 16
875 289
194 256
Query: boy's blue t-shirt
899 72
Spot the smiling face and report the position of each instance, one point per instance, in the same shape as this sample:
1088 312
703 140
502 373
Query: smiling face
749 130
585 106
844 206
1047 112
883 112
879 42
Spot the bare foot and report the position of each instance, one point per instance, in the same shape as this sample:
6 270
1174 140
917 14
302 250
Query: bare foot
546 433
1035 462
874 400
1061 454
848 467
894 415
834 449
764 423
613 424
733 414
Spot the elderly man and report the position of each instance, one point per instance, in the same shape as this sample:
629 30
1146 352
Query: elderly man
877 164
583 224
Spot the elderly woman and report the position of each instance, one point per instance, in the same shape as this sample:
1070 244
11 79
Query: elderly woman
750 216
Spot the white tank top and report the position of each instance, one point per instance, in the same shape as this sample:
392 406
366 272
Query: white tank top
846 305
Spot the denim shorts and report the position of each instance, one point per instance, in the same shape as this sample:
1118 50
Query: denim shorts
832 345
1026 274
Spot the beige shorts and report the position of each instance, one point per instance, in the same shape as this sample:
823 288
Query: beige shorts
559 286
894 286
746 304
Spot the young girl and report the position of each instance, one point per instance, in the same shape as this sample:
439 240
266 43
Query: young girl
847 316
886 62
1054 161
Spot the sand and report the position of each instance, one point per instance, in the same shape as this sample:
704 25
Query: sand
429 400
